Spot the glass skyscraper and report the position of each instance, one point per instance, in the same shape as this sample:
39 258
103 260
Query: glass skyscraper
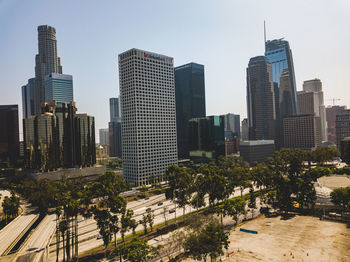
260 99
59 87
9 134
59 138
206 138
28 98
190 101
46 62
280 56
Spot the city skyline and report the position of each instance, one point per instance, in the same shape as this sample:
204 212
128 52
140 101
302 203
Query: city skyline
90 54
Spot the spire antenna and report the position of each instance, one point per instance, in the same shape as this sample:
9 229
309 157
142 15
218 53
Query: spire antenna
264 32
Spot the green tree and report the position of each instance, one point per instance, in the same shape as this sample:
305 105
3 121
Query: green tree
127 222
323 154
208 242
150 218
233 207
137 250
341 197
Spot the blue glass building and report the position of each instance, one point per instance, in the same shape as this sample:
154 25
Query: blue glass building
59 87
190 102
280 56
28 98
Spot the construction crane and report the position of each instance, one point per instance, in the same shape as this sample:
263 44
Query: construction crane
334 99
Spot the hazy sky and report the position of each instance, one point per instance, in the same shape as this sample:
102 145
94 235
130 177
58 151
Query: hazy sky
220 34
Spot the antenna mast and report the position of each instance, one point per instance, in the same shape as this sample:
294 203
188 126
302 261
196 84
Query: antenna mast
264 32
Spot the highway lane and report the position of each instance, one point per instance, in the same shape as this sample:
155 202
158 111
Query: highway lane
88 240
41 235
11 232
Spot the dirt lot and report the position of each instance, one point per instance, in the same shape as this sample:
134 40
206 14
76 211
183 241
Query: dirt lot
300 238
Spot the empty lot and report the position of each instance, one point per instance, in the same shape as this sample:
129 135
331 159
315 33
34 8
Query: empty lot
300 238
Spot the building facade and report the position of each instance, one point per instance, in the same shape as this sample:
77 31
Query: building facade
46 62
147 95
280 56
114 109
315 86
207 138
260 99
115 128
256 151
302 132
232 124
104 136
59 87
342 126
245 129
331 114
59 138
9 135
115 139
190 101
28 98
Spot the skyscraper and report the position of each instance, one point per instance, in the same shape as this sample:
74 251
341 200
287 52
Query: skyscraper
28 98
147 95
9 134
114 109
190 101
280 56
115 128
315 86
260 99
46 62
59 138
207 138
232 124
331 113
342 126
302 131
59 87
104 136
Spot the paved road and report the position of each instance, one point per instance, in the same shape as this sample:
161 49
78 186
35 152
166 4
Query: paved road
11 232
88 230
40 238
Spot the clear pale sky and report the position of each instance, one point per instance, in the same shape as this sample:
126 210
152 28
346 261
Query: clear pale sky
222 35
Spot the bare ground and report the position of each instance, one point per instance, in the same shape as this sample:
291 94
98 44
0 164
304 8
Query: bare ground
301 238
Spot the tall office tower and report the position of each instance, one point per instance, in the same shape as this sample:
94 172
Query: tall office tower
115 138
190 101
46 62
147 95
232 124
280 56
245 129
114 128
260 99
104 136
315 86
9 134
28 98
59 138
302 131
342 126
331 113
207 138
114 109
59 87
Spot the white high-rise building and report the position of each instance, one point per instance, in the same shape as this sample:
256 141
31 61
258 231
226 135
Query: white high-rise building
147 95
315 86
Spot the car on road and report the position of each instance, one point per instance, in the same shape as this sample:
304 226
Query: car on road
171 211
160 203
147 198
99 236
